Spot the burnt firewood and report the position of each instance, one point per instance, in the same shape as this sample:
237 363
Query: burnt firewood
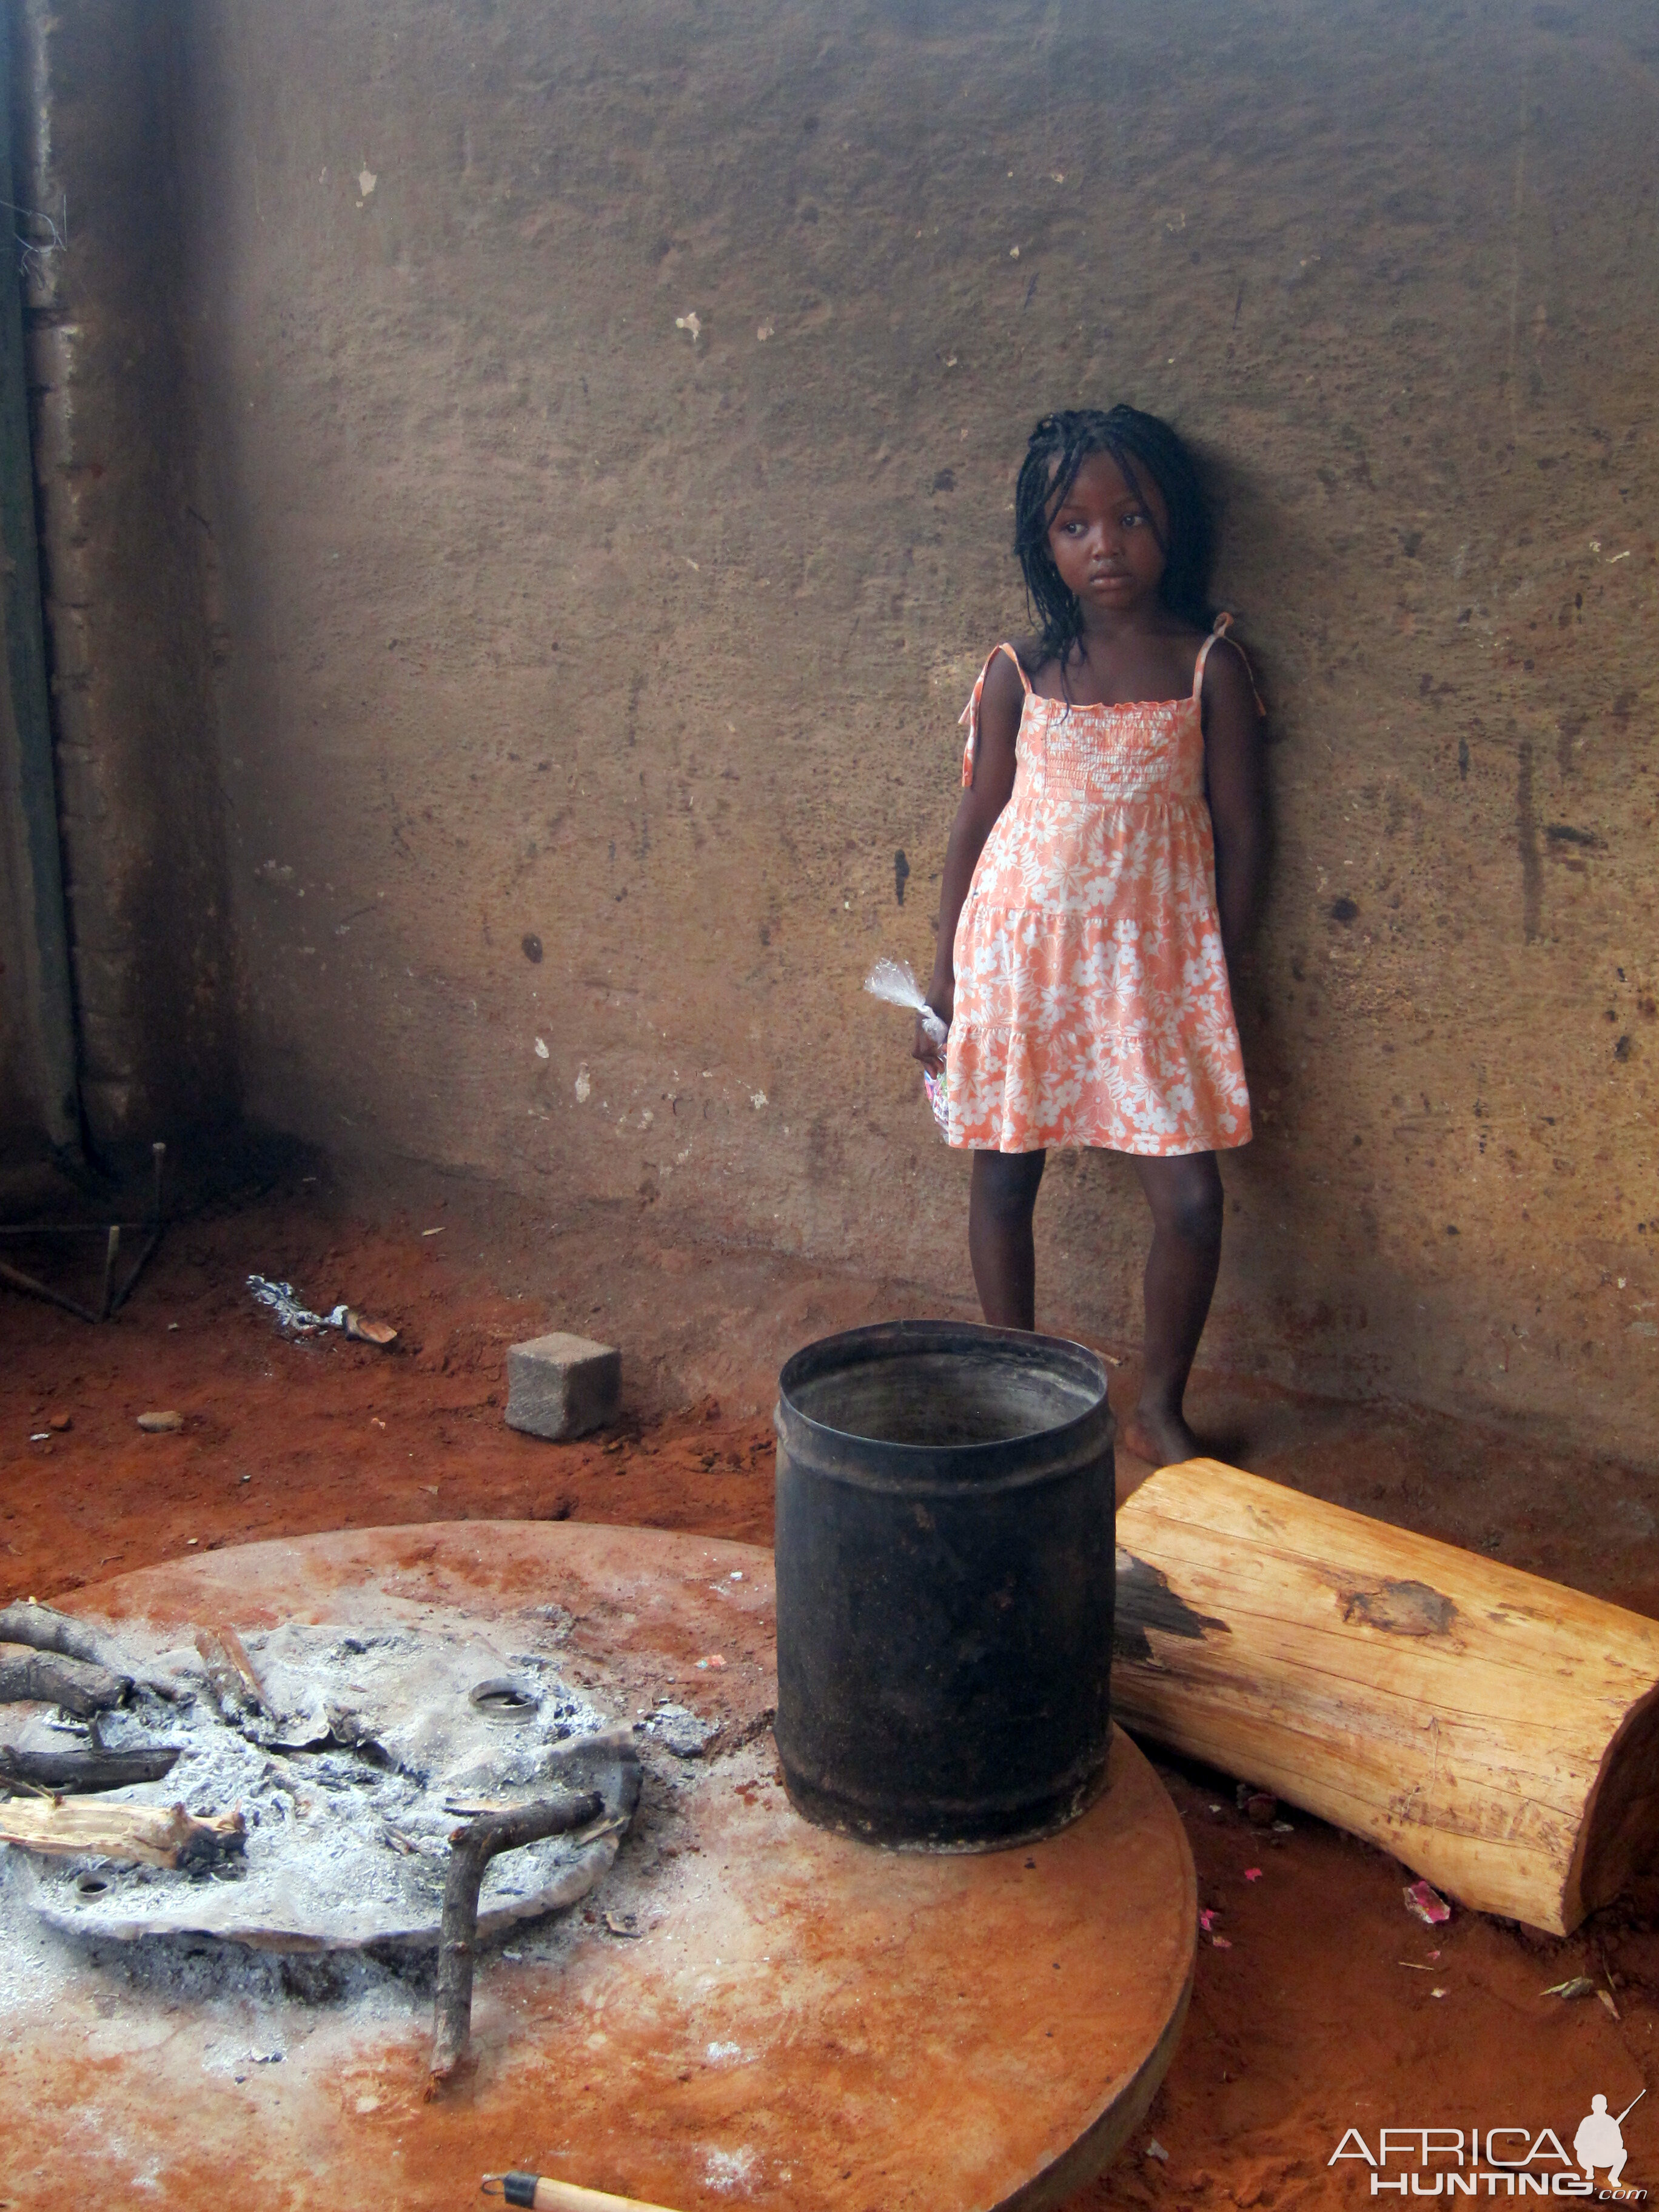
235 1687
77 1685
43 1628
80 1773
471 1848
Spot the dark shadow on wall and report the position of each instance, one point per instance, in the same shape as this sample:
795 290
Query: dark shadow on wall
128 567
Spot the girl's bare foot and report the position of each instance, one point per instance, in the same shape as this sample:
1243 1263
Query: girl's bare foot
1161 1438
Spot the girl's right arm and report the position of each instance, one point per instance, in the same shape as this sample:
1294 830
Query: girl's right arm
1001 702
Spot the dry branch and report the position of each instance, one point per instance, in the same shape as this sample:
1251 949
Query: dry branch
48 1677
78 1774
1496 1732
44 1629
145 1835
471 1848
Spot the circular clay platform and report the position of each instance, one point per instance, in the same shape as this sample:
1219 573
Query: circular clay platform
750 2011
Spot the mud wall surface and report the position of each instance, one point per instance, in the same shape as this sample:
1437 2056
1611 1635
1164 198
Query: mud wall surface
608 422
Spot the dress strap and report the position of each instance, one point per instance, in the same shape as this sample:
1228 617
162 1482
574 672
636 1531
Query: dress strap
969 714
1223 624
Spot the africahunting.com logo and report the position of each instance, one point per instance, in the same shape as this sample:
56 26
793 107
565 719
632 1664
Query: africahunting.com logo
1498 2161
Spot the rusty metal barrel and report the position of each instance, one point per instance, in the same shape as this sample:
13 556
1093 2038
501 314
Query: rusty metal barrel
945 1580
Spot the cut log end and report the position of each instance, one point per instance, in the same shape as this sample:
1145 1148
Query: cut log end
1619 1838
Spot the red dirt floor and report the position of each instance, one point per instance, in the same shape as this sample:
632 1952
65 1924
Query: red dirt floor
1330 2008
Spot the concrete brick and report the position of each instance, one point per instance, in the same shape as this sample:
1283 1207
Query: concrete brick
561 1386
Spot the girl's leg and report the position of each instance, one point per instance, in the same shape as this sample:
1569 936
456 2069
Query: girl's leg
1185 1196
1001 1198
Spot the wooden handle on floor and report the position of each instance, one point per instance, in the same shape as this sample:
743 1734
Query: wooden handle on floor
548 2195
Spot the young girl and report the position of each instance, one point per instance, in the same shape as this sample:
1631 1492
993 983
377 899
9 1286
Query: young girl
1102 875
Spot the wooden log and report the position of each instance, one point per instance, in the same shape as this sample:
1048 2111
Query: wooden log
79 1773
44 1629
471 1848
134 1835
1496 1732
51 1680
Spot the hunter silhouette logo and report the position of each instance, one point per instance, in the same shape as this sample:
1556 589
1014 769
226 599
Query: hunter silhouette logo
1600 2140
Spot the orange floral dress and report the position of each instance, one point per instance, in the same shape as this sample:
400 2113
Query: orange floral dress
1092 1005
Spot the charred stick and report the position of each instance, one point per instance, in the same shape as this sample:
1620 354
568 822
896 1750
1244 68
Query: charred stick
471 1848
46 1629
79 1773
47 1676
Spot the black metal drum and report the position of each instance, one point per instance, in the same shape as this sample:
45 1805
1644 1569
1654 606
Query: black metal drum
945 1548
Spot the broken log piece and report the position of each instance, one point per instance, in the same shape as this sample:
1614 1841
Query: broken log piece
43 1628
1497 1733
51 1680
231 1677
80 1773
471 1848
134 1835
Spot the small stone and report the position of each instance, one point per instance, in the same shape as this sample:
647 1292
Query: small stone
58 1422
563 1386
680 1731
160 1425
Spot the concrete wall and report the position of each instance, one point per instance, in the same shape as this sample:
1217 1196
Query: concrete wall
609 420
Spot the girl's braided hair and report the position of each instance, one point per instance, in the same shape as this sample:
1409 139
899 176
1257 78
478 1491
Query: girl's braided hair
1059 447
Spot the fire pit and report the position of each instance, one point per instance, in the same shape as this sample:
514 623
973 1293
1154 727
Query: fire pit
741 2009
349 1757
